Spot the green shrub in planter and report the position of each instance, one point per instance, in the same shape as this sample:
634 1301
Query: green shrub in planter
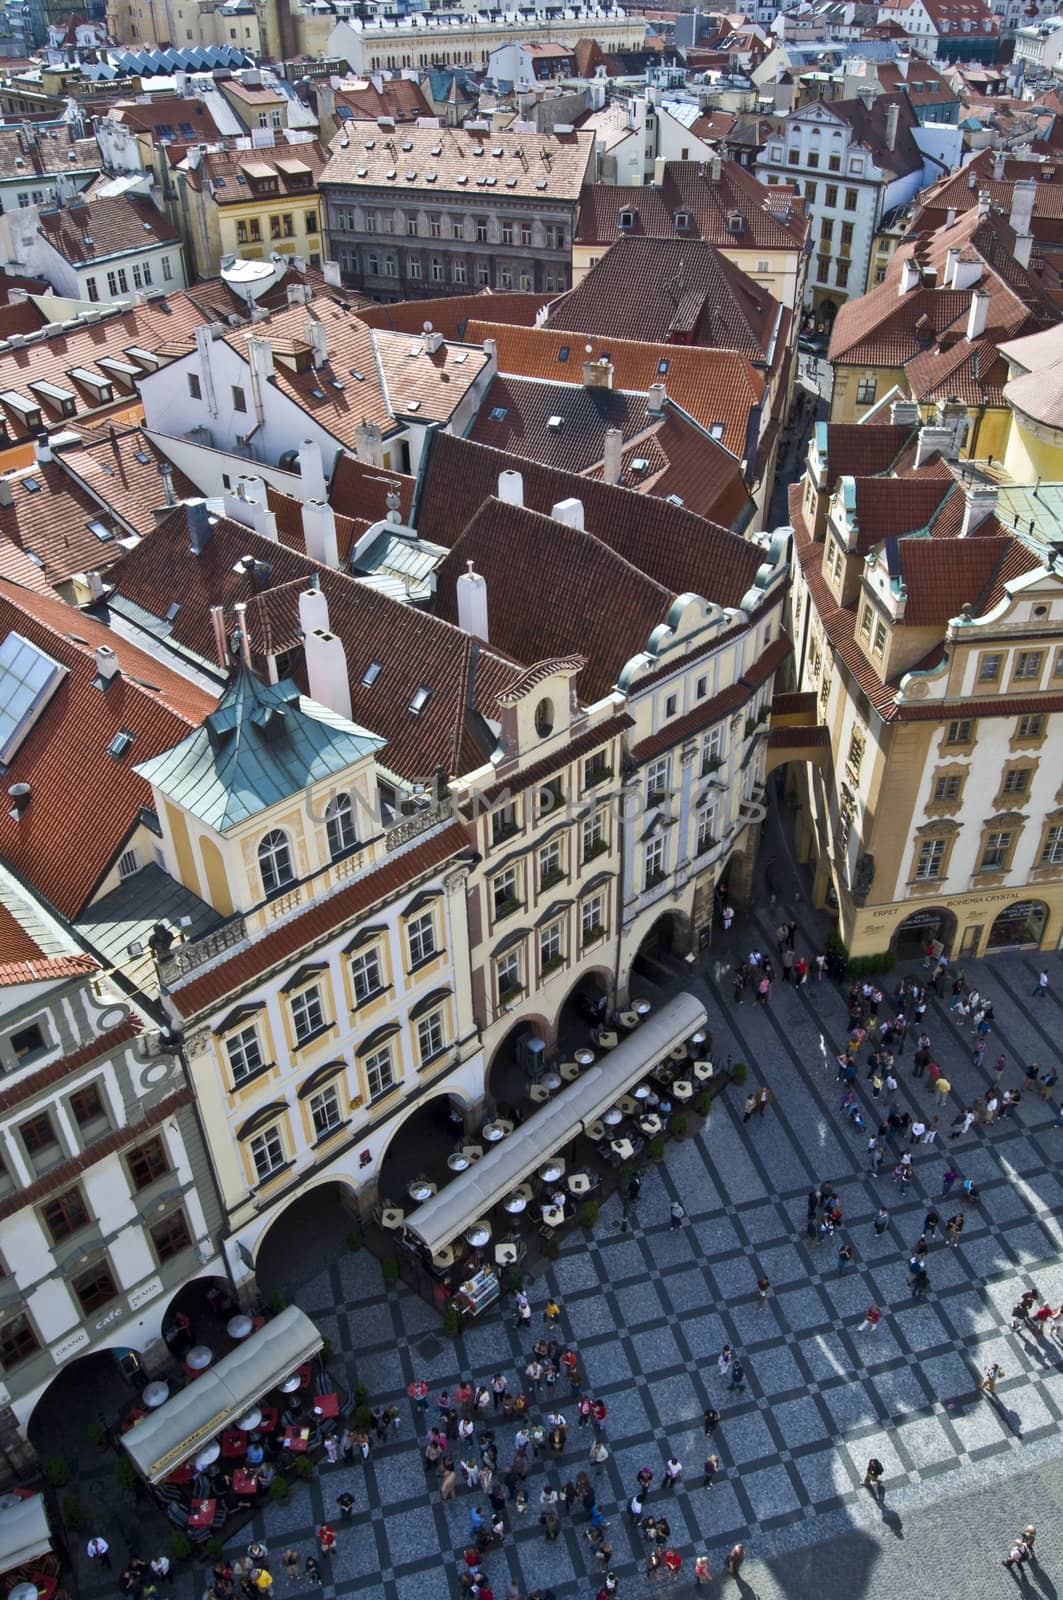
363 1417
390 1269
73 1513
512 1278
212 1547
126 1473
588 1213
451 1322
361 1395
280 1491
180 1546
680 1125
303 1468
703 1103
57 1471
739 1072
656 1149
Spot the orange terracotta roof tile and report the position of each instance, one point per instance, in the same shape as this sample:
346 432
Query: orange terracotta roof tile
687 188
104 228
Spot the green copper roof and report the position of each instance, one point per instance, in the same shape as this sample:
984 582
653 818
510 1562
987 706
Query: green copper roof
263 744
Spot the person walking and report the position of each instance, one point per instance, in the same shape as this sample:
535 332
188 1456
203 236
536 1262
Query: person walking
954 1229
676 1214
763 1290
845 1257
1041 989
872 1478
724 1359
872 1318
882 1221
702 1571
1018 1555
735 1558
949 1178
738 1375
98 1550
987 1384
711 1468
712 1421
930 1224
673 1472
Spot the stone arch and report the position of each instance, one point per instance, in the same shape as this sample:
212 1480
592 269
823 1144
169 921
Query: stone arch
305 1234
912 934
1020 926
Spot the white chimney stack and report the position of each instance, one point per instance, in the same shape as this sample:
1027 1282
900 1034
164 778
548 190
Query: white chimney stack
892 118
106 662
569 511
326 671
612 460
472 603
42 449
656 397
1023 249
980 503
978 315
316 337
312 484
313 611
369 444
1023 195
511 488
909 277
319 531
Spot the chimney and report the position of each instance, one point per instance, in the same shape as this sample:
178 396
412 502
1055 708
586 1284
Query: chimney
97 587
106 662
511 488
313 609
7 494
1023 195
241 625
433 339
319 531
569 511
472 603
934 440
221 641
260 360
950 265
316 337
198 525
1023 248
612 459
491 349
42 449
369 444
19 795
597 374
904 414
326 671
893 113
656 398
166 474
331 272
866 95
981 502
312 484
715 169
909 278
978 314
998 167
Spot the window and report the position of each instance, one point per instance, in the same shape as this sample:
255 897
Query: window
711 746
167 269
42 1146
594 836
170 1236
339 825
431 1038
507 975
989 668
413 267
551 870
596 769
850 199
93 288
996 852
1052 851
117 282
653 863
65 1215
1031 727
592 918
657 778
435 227
89 1112
834 163
1028 664
856 752
310 219
457 271
959 732
504 897
325 1112
947 790
308 1014
275 861
27 1043
411 225
366 976
379 1072
826 231
701 688
551 944
481 230
670 705
245 1054
17 1341
842 274
831 196
525 235
865 391
507 233
1017 780
706 828
813 159
267 1153
195 388
147 1163
867 616
810 193
421 933
880 637
239 398
438 269
847 237
931 858
503 823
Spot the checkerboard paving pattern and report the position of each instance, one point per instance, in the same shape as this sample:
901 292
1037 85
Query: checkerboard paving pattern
649 1308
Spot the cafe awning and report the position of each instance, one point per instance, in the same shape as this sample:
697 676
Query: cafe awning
173 1433
24 1534
473 1194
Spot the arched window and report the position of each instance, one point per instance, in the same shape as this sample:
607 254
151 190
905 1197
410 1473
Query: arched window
544 718
275 861
339 824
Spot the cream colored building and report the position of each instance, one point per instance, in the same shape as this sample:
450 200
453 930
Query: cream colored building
384 44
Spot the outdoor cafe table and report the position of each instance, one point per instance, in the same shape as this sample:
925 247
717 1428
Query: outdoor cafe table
327 1405
703 1071
245 1482
297 1440
683 1089
553 1216
628 1019
623 1148
650 1125
233 1444
392 1217
202 1513
580 1183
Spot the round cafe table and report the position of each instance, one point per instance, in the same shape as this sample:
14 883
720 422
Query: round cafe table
479 1234
584 1057
208 1455
290 1384
458 1162
698 1038
551 1081
553 1169
239 1327
422 1191
643 1008
613 1116
642 1092
493 1131
199 1358
249 1422
156 1394
23 1591
514 1204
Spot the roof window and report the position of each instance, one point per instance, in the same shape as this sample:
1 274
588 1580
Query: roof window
372 673
420 700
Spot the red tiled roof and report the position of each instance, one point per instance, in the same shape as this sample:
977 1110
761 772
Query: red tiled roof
84 801
319 921
218 173
51 522
361 492
449 316
889 507
110 469
863 450
687 187
682 552
942 578
798 738
103 228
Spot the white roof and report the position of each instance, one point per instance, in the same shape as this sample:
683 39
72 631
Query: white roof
472 1195
166 1439
24 1533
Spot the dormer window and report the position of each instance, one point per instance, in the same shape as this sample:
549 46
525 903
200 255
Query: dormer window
626 219
682 221
275 862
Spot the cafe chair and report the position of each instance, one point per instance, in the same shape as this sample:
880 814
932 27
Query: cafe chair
178 1514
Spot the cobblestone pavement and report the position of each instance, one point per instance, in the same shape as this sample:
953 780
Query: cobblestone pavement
650 1309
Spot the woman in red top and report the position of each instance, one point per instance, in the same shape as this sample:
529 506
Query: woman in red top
673 1561
326 1539
599 1413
